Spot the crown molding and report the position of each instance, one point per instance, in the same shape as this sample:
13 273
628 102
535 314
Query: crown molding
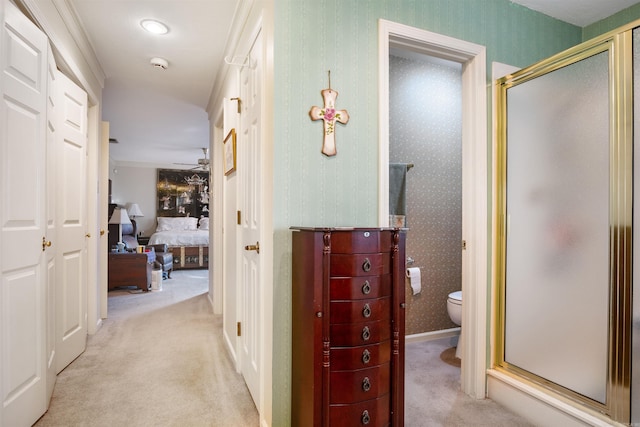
74 53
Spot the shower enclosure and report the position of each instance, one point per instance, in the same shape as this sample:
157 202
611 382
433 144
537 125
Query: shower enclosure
565 196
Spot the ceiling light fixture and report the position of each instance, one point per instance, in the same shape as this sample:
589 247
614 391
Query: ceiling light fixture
153 26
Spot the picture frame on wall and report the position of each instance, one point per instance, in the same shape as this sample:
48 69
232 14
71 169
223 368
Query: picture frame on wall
230 152
182 193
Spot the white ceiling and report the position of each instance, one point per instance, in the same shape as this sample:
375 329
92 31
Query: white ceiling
578 12
158 116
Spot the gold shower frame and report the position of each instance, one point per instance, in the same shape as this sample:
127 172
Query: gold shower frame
619 45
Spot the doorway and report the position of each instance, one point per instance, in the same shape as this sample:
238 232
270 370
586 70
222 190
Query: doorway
474 178
425 144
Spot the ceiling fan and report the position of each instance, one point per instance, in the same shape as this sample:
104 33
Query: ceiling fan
203 164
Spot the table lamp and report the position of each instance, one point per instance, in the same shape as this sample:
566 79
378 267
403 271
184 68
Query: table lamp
119 217
134 211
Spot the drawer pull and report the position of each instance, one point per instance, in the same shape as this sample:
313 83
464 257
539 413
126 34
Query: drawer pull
366 384
366 288
366 333
366 356
366 311
366 419
366 265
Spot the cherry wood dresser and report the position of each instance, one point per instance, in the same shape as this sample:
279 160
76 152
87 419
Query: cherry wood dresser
348 317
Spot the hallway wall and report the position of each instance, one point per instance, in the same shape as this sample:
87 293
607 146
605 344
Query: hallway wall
312 37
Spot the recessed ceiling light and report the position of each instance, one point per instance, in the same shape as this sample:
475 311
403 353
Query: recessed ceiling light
155 27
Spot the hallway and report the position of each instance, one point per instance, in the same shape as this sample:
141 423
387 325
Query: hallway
158 360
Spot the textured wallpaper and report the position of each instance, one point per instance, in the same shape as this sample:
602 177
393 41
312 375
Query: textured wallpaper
313 36
425 129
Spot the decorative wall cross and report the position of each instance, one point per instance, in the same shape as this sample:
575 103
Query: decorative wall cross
329 115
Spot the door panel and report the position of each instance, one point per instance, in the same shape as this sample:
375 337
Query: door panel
51 163
250 173
22 218
71 305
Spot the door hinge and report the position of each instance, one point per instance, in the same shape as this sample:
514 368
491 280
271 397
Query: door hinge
239 217
239 104
239 329
464 245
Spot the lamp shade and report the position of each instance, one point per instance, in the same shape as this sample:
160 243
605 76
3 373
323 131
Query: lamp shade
119 217
134 210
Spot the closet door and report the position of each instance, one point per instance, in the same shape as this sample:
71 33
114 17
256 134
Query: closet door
23 60
71 206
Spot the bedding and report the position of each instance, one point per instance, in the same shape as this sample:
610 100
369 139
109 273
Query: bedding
181 231
181 238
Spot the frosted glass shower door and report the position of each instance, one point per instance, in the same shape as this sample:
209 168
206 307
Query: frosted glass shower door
557 265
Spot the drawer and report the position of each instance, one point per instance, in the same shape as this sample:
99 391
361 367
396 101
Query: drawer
356 386
361 241
372 413
345 265
348 288
360 310
355 334
348 358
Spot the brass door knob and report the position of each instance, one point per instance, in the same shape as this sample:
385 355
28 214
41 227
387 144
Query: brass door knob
255 247
45 243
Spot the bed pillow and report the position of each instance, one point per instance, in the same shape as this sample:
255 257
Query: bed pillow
177 223
204 224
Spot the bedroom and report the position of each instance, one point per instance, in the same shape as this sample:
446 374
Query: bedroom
138 184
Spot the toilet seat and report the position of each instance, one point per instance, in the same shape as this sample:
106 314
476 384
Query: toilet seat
456 297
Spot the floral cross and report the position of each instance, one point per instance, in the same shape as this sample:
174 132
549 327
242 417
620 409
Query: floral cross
329 116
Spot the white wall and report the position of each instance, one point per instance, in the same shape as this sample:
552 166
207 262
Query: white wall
136 185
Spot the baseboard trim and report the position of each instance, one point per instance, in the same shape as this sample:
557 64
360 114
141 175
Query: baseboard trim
433 335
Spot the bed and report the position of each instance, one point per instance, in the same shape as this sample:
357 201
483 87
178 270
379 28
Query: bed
187 239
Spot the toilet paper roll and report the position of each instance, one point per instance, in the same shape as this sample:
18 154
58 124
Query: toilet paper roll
413 274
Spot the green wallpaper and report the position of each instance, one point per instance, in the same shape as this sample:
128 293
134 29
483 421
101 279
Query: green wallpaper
313 36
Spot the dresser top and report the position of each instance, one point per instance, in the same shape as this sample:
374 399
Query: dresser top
346 229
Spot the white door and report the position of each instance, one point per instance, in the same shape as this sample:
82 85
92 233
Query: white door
23 86
71 304
50 254
250 182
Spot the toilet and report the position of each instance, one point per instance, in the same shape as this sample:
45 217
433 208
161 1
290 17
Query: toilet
454 308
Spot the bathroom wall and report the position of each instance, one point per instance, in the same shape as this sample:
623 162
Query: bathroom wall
425 129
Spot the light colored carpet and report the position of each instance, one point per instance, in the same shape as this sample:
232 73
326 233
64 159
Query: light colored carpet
432 391
158 360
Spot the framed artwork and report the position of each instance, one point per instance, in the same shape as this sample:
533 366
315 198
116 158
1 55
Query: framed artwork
230 152
183 193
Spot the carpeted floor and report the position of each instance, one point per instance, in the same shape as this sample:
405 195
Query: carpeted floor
432 391
158 360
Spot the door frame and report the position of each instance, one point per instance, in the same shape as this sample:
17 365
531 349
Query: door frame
255 19
475 227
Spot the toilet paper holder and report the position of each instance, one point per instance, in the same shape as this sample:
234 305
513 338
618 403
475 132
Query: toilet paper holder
410 262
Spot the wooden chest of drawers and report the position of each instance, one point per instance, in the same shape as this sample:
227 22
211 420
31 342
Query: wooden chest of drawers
348 327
